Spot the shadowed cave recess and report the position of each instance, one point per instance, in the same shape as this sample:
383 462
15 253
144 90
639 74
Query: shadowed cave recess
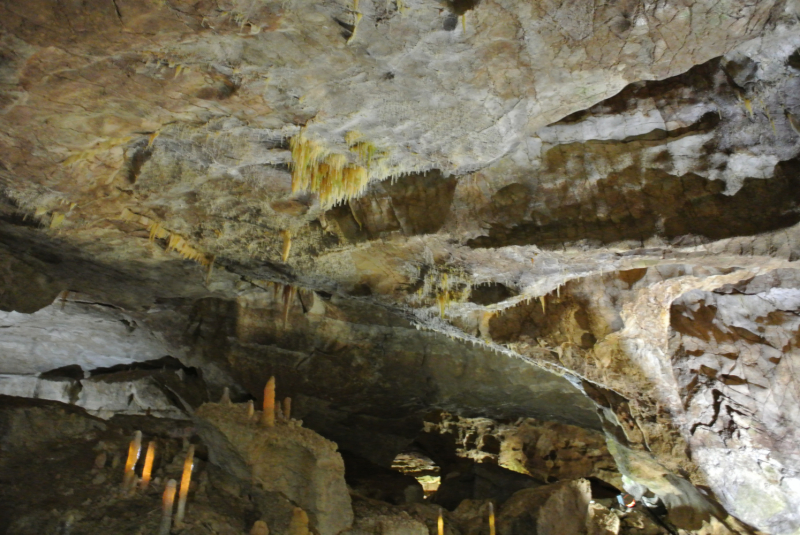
384 267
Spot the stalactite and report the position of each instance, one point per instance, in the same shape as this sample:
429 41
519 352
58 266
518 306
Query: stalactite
287 245
289 292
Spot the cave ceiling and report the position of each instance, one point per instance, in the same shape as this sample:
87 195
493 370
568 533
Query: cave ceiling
583 212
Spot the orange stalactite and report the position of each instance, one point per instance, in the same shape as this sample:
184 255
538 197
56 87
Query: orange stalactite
268 416
287 245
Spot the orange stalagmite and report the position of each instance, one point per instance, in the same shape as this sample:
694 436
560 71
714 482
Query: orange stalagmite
268 416
441 522
133 455
166 511
287 408
186 480
148 463
298 525
260 528
491 519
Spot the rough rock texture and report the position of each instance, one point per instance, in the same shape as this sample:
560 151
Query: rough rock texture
363 375
61 471
547 451
550 510
581 205
734 350
288 459
74 332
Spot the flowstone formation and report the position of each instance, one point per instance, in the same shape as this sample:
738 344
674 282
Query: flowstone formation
533 255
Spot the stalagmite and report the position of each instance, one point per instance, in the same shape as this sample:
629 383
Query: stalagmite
166 511
491 519
250 409
133 455
287 408
186 480
441 522
148 464
268 416
226 396
299 523
260 528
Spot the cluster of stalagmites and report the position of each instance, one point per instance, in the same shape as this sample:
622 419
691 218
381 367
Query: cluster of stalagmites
271 414
131 481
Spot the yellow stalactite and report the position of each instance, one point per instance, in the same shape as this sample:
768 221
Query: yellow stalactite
57 220
316 170
288 296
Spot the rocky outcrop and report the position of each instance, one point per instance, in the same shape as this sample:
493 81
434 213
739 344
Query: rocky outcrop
285 459
547 451
559 508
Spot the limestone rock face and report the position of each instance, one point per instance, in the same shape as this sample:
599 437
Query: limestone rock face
547 451
288 459
734 354
549 510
